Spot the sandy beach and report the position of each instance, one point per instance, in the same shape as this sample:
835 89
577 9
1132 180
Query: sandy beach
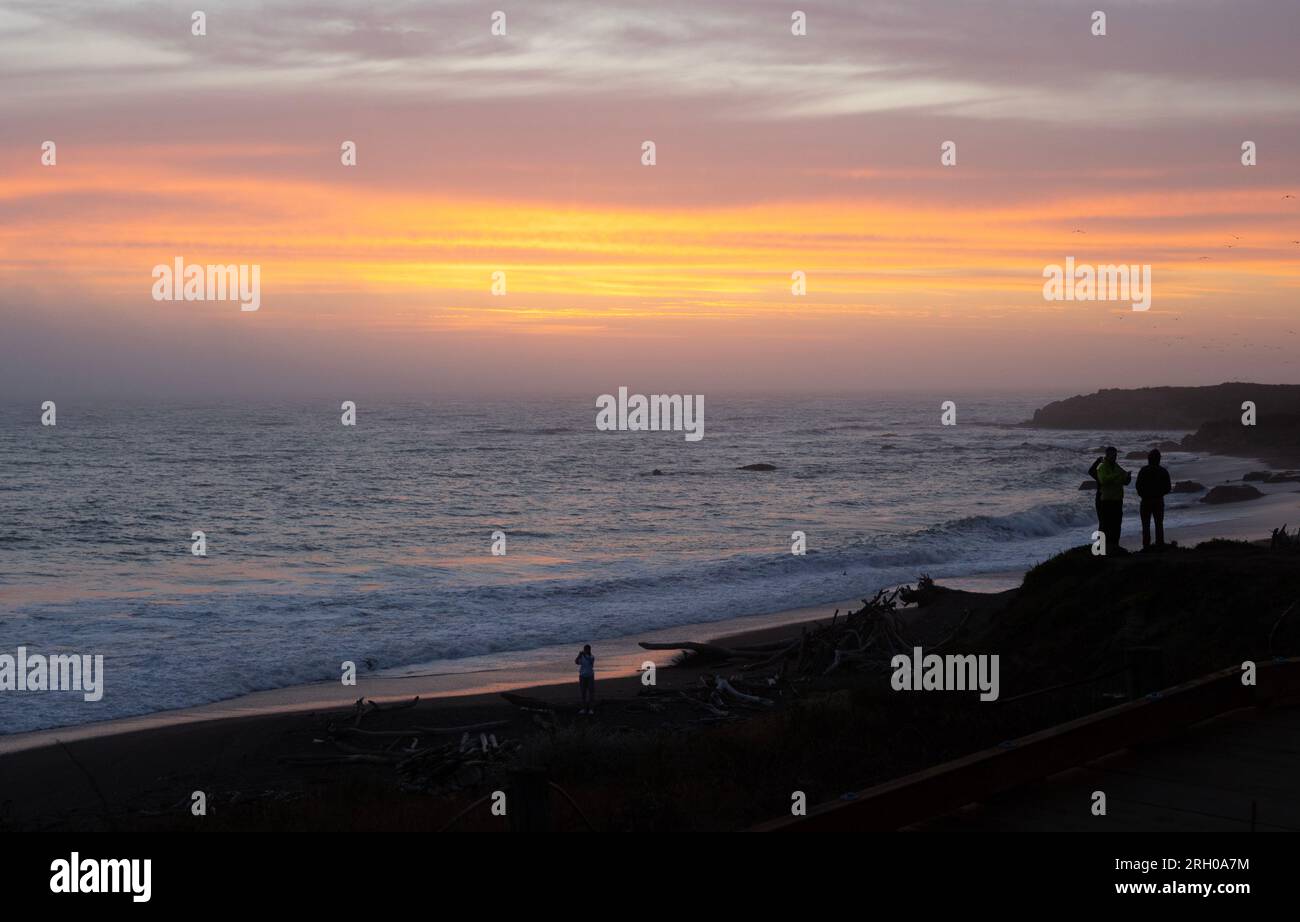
143 769
476 676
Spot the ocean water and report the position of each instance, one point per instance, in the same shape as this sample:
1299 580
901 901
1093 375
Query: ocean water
372 543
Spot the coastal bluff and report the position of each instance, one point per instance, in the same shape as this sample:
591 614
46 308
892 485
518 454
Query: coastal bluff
1213 414
1168 407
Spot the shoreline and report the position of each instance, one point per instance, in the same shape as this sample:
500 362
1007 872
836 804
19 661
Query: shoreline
540 668
249 763
549 667
543 669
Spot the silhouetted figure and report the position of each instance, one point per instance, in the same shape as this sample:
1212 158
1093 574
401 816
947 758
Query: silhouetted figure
587 680
1152 486
1096 498
1111 480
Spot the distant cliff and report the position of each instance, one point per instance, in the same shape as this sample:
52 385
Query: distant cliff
1213 412
1177 408
1277 435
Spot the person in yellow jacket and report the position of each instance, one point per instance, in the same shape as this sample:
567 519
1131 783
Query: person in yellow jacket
1111 481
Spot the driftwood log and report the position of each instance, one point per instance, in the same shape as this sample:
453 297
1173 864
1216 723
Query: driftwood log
865 639
422 765
712 652
730 691
365 707
422 731
528 703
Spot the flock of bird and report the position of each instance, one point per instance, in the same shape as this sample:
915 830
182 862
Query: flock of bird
1224 346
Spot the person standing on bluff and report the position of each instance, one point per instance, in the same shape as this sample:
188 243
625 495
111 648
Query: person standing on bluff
1096 498
1152 487
1111 481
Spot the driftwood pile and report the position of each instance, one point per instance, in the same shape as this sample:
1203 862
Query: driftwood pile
865 639
423 763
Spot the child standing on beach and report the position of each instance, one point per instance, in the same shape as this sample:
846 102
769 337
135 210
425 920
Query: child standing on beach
587 680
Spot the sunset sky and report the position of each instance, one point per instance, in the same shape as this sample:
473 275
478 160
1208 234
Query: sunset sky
522 153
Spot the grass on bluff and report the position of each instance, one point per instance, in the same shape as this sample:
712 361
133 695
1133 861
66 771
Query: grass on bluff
1205 608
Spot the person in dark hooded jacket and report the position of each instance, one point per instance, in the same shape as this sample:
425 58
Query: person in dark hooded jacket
1152 487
